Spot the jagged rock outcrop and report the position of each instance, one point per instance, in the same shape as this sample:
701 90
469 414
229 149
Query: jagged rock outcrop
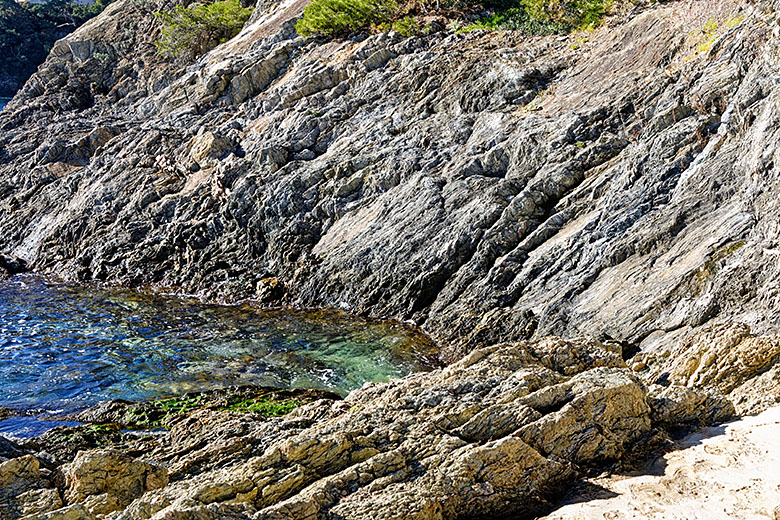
105 480
487 186
499 432
721 359
28 31
23 491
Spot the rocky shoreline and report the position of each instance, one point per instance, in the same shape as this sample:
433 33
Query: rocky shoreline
503 431
505 193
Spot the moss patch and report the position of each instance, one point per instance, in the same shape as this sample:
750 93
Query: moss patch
263 406
164 413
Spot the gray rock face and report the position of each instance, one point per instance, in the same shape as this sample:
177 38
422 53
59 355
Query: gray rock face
490 187
487 186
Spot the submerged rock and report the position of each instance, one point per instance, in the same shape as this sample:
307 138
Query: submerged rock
11 265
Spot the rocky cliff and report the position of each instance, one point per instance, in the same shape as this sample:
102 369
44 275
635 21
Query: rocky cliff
490 187
487 186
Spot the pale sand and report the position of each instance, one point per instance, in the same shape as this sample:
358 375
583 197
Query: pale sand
731 471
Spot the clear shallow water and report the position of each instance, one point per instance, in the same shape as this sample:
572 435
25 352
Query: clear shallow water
65 347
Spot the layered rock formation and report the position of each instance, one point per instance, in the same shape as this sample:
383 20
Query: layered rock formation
486 186
489 187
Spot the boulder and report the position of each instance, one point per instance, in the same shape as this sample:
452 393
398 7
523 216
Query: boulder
19 473
106 480
12 265
680 405
720 359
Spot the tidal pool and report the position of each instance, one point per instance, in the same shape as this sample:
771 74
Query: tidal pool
65 347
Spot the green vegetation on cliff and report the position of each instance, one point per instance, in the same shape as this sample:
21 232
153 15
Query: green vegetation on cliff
340 17
66 13
191 30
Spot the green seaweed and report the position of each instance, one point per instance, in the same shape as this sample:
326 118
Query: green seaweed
263 406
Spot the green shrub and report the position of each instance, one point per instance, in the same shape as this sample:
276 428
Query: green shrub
570 13
191 31
409 26
516 19
335 17
536 17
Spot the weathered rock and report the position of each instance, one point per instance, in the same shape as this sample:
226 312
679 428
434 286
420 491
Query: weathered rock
18 473
23 491
757 394
72 512
721 356
25 39
489 187
723 359
36 502
105 480
8 449
680 405
496 433
725 472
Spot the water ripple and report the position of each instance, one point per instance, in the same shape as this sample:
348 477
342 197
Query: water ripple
66 347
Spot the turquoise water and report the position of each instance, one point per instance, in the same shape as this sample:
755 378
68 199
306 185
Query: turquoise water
65 347
3 102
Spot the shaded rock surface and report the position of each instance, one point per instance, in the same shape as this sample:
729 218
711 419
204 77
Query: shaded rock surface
11 265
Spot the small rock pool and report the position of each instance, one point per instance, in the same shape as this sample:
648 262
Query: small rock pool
65 347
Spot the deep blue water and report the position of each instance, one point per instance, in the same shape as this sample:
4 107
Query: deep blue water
3 102
64 347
